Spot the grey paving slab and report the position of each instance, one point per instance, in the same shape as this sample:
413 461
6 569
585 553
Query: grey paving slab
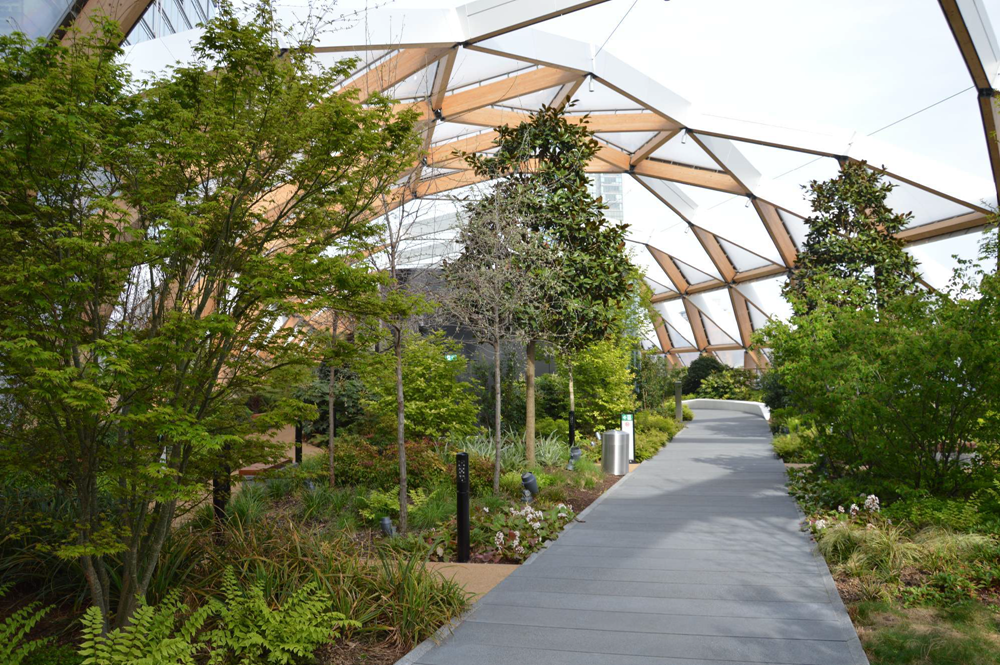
696 557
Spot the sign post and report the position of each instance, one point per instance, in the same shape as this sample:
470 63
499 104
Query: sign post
628 426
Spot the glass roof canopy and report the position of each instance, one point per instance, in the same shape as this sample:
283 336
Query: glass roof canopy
716 238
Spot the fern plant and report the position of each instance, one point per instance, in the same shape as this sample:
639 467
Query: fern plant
14 645
156 636
251 633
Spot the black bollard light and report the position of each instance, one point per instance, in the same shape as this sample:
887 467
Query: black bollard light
530 485
387 528
462 481
298 444
575 453
572 428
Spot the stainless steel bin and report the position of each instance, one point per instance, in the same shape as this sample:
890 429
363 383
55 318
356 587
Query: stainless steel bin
614 452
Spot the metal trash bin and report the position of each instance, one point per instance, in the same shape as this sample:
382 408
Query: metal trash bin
614 452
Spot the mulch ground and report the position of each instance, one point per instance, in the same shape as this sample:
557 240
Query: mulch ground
581 498
360 653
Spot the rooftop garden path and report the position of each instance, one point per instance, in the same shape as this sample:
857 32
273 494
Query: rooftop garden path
696 557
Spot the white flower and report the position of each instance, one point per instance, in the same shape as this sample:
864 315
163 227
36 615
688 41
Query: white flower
499 539
820 524
519 549
536 525
563 515
871 504
485 509
840 509
854 510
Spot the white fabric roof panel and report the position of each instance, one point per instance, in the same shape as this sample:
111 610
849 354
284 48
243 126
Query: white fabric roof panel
718 174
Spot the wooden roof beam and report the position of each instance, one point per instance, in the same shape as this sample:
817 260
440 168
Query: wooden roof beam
715 252
743 322
689 175
443 154
652 145
670 268
392 71
777 231
565 93
697 325
508 88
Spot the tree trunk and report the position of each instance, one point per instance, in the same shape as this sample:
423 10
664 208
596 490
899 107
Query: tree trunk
332 400
400 440
529 411
496 416
572 405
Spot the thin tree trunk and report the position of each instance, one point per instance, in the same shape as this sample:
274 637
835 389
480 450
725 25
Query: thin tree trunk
400 440
332 400
529 411
572 405
496 416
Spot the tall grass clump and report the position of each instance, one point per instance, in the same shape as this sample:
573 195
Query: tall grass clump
550 450
392 595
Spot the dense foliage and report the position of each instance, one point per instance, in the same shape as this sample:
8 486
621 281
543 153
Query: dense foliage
898 382
438 403
700 368
852 240
139 309
655 379
730 383
604 385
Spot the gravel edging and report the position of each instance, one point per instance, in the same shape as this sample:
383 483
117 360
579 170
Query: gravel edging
445 631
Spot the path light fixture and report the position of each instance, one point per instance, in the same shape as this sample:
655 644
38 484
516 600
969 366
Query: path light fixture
387 528
575 453
530 485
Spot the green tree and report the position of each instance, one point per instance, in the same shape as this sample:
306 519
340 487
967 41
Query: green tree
852 242
700 369
158 243
655 379
899 381
504 269
541 166
438 402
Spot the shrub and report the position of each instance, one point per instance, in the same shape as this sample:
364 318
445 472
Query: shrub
646 421
737 384
510 482
250 632
774 393
794 448
15 648
902 392
648 444
604 386
385 503
700 368
160 635
392 596
548 427
669 410
438 402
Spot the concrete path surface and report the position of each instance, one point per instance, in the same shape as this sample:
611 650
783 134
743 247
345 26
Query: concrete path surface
696 558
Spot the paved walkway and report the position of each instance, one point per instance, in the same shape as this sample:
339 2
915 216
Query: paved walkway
695 559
